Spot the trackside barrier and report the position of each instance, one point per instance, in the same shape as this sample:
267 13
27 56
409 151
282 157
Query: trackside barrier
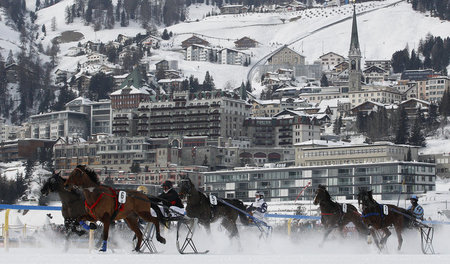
290 217
9 207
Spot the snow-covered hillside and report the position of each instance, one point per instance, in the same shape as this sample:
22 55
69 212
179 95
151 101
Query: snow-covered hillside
381 33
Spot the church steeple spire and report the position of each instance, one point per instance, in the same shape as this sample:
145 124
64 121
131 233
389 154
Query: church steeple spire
354 43
354 56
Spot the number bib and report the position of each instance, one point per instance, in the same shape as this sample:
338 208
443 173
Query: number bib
213 199
122 198
344 208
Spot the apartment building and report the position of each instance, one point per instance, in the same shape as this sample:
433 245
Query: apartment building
386 179
54 125
283 129
213 114
307 154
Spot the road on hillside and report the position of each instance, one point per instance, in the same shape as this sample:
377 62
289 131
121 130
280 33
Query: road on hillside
263 60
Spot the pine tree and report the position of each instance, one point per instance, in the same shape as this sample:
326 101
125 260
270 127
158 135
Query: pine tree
208 83
68 15
100 86
432 120
324 81
43 30
337 125
10 59
53 23
402 128
165 35
417 138
248 86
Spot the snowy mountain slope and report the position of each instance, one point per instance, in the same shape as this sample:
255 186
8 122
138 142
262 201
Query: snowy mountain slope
381 33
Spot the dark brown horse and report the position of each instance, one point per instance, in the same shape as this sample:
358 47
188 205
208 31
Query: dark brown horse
381 217
199 206
102 204
335 215
72 204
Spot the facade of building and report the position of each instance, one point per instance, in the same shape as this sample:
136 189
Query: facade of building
375 74
383 64
197 52
353 154
101 117
283 129
342 181
435 88
232 9
330 60
23 149
245 43
233 57
59 124
286 56
213 114
194 40
384 95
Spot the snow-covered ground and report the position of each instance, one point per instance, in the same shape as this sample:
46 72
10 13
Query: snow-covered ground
298 247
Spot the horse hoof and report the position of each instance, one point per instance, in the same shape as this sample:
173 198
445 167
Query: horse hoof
161 240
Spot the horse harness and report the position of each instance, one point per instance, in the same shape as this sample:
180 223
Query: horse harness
382 214
118 206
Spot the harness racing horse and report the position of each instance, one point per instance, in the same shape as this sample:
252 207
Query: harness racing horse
335 215
199 206
72 204
102 204
380 217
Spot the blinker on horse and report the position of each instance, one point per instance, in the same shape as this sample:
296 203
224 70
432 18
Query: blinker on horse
102 204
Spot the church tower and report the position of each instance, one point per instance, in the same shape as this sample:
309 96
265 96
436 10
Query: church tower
354 56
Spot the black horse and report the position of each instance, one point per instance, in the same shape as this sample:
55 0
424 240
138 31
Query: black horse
335 215
380 217
72 209
199 206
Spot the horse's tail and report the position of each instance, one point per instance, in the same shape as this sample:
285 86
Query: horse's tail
242 216
408 218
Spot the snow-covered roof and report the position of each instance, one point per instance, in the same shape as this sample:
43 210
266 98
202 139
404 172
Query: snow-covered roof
333 102
79 101
133 90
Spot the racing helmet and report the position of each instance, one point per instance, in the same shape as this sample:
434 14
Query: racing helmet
142 189
414 197
259 193
167 184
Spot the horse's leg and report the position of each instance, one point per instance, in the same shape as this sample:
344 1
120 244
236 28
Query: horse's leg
398 230
106 220
231 227
374 236
147 216
387 234
133 224
325 235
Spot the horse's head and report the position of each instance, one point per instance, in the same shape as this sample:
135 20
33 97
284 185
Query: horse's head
186 187
364 197
53 183
82 177
321 194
